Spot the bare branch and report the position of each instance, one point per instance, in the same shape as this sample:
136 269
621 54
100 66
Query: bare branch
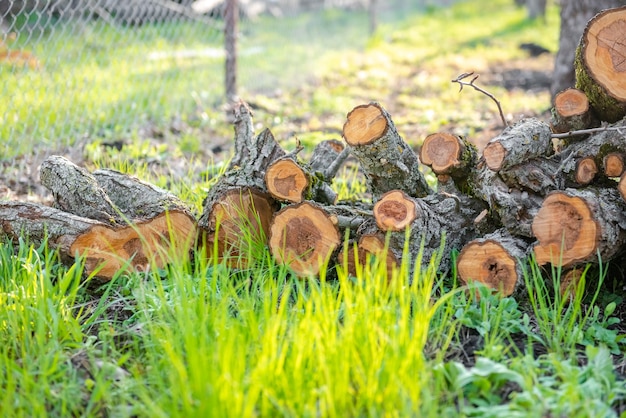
587 131
462 83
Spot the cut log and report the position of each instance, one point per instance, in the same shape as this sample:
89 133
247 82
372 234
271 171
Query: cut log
354 256
600 64
239 204
395 211
107 249
448 154
613 164
513 207
496 260
574 226
571 111
526 139
239 225
303 237
288 181
387 161
76 191
434 220
586 170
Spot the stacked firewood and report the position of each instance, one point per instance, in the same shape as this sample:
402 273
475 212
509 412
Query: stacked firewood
553 192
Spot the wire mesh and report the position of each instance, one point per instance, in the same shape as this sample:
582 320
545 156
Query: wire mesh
71 69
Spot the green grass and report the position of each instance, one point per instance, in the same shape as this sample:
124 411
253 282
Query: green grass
200 339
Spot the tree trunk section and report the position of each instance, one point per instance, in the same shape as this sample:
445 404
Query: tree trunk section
574 16
448 154
600 66
571 111
289 181
107 249
303 237
387 161
527 139
238 208
573 226
438 222
496 260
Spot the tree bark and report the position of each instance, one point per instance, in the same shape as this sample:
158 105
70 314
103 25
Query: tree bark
574 17
137 199
438 222
526 139
387 161
600 65
76 191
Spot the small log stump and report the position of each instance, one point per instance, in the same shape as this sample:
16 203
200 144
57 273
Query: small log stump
573 226
495 260
387 161
303 237
613 164
600 65
525 140
571 111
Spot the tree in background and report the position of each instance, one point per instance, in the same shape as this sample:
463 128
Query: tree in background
574 16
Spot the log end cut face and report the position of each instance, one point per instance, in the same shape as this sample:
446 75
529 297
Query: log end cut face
141 246
613 164
239 225
565 230
395 211
354 257
286 181
494 154
302 237
586 170
365 124
605 51
488 263
441 152
571 102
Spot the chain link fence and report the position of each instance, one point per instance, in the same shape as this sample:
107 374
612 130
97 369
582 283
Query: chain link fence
74 69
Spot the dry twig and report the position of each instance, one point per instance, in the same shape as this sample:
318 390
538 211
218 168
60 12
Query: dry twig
462 83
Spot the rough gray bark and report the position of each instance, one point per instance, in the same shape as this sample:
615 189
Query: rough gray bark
526 139
328 157
514 207
76 191
574 17
136 199
496 260
387 161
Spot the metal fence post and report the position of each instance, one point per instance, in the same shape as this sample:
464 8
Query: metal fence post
231 15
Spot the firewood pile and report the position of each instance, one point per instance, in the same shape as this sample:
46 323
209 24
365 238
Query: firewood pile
554 191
